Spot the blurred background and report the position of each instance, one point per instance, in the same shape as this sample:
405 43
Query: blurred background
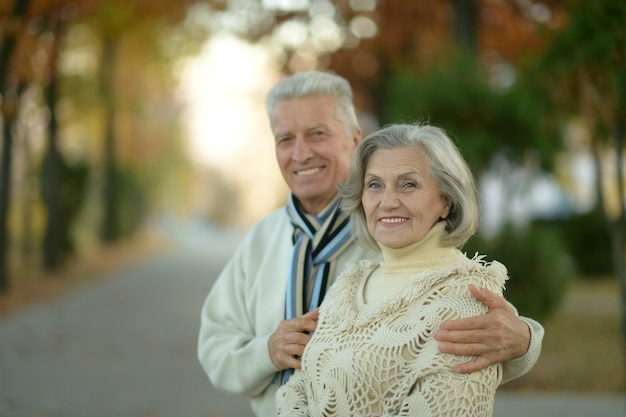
130 126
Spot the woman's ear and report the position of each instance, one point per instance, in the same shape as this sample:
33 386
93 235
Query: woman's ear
446 209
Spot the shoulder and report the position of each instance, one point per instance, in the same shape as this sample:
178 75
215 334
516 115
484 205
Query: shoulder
275 219
351 256
356 270
475 271
269 238
491 275
339 304
275 224
348 281
453 282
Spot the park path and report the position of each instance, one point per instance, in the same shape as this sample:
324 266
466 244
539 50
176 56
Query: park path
125 346
120 347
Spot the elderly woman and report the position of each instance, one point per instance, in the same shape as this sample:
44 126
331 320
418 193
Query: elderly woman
411 196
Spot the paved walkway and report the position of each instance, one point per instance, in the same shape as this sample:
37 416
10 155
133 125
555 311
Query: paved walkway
124 346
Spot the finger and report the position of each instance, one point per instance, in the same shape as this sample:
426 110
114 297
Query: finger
462 349
298 324
460 336
293 350
290 361
491 300
307 326
310 320
289 339
286 348
294 346
280 358
472 366
312 315
465 324
297 339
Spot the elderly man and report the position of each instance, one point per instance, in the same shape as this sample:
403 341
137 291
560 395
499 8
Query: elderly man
258 316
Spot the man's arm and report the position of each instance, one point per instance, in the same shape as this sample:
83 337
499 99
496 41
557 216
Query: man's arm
233 356
238 318
498 336
242 333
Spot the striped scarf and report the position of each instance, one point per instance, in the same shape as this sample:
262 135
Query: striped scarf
317 241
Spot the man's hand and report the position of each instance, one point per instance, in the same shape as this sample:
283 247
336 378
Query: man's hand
495 337
287 343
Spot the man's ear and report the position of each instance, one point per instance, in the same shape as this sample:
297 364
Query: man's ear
357 136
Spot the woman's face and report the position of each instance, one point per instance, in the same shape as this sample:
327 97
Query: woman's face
400 197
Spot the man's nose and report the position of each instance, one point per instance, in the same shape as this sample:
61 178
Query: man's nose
302 150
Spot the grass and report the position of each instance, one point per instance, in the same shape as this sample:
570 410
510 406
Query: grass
582 352
579 354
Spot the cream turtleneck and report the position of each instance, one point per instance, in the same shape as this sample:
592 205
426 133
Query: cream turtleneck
399 265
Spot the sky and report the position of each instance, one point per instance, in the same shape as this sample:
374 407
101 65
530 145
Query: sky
228 129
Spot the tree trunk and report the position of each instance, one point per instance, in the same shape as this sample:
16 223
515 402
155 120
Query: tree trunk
465 23
30 198
52 166
9 108
5 187
109 231
618 229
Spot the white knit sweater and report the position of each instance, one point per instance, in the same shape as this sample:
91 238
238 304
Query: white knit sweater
380 358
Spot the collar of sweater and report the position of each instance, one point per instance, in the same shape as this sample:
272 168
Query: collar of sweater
427 254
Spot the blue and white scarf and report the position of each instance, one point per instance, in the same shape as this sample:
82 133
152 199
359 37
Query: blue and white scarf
317 241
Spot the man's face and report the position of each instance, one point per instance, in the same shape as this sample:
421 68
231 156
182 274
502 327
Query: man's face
313 149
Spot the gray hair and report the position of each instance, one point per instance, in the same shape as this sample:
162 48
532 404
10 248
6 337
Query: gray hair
313 84
447 166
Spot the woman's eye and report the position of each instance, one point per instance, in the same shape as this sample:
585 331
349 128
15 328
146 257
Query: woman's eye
409 184
373 185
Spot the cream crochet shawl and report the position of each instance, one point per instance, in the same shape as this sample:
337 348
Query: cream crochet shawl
380 358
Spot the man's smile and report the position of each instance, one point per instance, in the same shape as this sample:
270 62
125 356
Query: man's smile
309 171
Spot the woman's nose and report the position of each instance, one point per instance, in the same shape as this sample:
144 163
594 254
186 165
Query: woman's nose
390 199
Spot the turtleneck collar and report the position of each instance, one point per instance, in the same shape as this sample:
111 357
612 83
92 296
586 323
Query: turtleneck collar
427 254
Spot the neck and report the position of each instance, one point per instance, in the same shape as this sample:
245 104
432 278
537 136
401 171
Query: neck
317 209
420 256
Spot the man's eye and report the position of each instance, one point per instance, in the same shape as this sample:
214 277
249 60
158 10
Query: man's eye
282 140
